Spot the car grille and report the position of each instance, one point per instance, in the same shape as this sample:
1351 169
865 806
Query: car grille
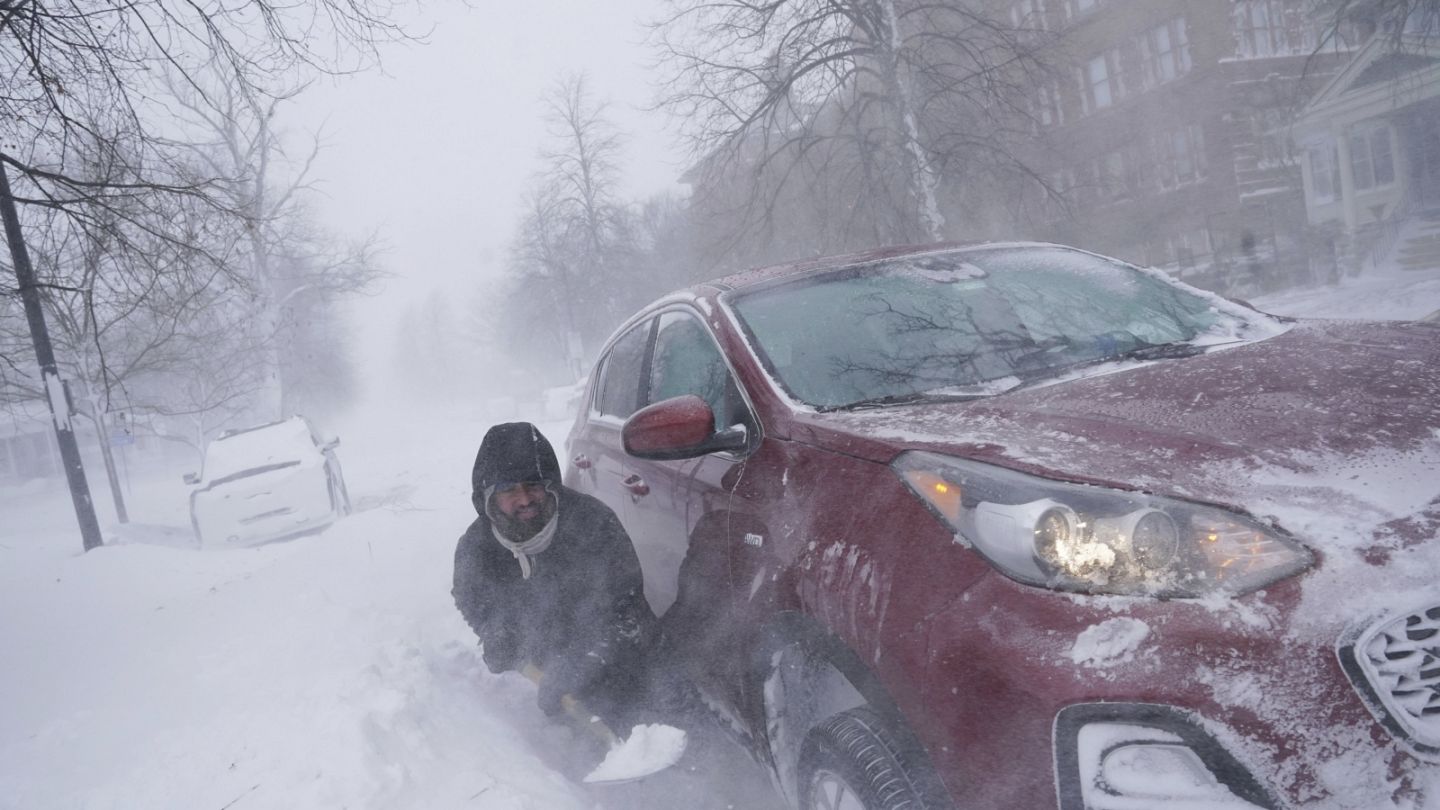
1395 664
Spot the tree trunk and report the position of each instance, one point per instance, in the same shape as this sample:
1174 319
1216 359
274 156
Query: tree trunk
921 177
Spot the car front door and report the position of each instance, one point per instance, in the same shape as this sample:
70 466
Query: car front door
685 517
598 464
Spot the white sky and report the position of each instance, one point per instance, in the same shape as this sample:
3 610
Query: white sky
437 150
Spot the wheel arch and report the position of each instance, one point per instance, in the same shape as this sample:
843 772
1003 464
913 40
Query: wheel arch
805 675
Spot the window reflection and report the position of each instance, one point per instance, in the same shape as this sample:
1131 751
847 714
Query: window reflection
960 323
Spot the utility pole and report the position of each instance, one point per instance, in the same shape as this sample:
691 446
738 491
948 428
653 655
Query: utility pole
49 374
89 405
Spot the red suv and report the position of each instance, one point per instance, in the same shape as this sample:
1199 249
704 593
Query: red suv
1020 526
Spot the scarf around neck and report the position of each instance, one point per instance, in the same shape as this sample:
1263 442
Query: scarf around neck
524 552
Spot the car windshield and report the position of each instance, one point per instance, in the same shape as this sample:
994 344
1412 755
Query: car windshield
281 443
971 323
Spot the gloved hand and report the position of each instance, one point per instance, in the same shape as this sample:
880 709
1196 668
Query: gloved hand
563 678
501 651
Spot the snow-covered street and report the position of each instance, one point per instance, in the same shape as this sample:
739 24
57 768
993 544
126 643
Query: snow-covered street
331 671
326 672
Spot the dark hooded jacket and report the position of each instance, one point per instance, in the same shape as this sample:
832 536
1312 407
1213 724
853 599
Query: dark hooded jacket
583 604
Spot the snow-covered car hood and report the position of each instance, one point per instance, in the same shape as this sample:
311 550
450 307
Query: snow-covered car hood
1330 430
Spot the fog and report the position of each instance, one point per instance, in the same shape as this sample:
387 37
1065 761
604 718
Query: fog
397 226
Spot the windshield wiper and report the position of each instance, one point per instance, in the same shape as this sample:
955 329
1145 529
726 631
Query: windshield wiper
1145 351
904 399
1159 351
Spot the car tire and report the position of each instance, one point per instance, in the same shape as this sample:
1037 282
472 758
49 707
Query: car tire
852 762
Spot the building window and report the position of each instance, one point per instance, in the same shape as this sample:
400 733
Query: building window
1324 173
1028 15
1097 74
1165 51
1271 131
1191 248
1371 160
1111 172
1182 252
1100 81
1048 109
1273 28
1180 156
1061 190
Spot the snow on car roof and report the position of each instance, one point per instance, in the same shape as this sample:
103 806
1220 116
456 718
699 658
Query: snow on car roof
276 443
759 275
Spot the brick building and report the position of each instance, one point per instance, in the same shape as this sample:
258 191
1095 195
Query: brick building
1167 125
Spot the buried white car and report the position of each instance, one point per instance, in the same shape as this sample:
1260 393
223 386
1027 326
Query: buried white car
267 483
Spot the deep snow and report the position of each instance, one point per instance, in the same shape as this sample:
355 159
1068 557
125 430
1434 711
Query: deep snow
331 671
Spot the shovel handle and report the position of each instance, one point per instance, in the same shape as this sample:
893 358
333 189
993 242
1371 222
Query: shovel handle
576 710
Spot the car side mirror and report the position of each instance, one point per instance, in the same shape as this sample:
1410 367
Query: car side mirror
192 478
679 427
331 445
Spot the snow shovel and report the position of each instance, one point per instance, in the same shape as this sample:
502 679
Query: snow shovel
648 750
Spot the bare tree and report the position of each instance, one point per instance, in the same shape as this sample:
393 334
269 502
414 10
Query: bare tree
288 263
1416 21
576 245
80 77
881 103
120 296
85 120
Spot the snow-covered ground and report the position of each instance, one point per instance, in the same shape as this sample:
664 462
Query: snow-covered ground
1390 293
331 671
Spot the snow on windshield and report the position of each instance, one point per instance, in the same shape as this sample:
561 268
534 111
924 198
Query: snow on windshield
957 323
280 443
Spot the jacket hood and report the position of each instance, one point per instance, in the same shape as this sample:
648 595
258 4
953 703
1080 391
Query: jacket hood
512 453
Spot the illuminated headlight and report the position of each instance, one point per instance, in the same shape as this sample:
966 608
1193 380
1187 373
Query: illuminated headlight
1096 540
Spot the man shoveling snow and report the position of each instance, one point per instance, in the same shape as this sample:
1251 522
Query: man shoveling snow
550 583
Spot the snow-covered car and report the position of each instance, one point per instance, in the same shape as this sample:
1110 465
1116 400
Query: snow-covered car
1020 526
267 483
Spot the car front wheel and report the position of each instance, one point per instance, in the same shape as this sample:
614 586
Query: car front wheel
852 763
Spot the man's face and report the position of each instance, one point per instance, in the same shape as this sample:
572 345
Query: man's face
522 503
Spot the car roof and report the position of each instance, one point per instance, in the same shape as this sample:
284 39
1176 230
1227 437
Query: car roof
776 272
233 432
757 276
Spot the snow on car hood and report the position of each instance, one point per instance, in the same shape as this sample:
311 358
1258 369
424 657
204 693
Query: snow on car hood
1330 430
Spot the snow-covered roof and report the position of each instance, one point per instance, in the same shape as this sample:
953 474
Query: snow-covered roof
1383 76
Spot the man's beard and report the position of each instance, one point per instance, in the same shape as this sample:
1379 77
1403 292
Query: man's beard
518 530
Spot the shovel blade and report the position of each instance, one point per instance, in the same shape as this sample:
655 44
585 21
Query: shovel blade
648 750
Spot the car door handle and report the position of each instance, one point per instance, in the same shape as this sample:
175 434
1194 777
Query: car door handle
581 462
636 485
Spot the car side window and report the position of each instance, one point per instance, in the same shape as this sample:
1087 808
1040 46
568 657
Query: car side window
618 392
687 361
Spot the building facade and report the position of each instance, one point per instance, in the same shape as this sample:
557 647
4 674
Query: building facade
1371 145
1165 134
